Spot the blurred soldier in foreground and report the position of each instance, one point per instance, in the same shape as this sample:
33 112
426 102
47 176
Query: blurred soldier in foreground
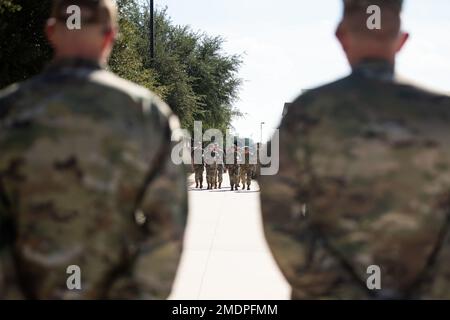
86 177
199 168
364 177
233 169
246 169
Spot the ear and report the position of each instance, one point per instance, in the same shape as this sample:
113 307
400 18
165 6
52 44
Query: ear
50 31
109 38
341 35
402 39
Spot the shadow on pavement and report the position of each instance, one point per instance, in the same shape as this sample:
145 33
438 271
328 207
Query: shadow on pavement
222 190
247 191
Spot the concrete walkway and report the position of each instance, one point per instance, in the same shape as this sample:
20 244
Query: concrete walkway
226 256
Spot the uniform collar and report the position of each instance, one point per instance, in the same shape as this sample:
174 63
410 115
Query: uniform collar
74 63
377 69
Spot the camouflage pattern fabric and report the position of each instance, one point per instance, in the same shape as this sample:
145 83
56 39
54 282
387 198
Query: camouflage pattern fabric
221 159
86 179
211 175
198 171
220 171
198 168
364 180
245 175
246 170
233 170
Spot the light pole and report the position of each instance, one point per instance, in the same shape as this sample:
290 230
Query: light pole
262 123
152 31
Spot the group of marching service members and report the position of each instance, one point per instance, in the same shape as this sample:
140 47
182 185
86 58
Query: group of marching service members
240 169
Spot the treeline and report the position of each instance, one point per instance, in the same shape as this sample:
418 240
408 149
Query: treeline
190 70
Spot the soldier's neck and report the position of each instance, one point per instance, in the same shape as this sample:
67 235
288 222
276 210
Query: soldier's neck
375 68
363 59
95 58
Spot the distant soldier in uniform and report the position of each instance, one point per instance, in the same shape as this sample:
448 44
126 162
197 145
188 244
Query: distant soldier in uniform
221 169
86 178
233 169
364 180
240 154
246 169
211 171
220 172
199 168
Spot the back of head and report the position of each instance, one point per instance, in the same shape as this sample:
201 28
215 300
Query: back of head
83 28
356 13
98 12
371 29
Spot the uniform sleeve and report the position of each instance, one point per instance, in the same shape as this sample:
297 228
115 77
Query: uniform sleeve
162 214
9 285
435 281
165 207
287 218
281 207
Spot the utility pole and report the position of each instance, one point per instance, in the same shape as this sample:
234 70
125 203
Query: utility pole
152 31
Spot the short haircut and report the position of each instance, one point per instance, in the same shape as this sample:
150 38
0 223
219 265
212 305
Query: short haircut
356 16
101 12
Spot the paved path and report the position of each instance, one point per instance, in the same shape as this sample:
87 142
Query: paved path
226 256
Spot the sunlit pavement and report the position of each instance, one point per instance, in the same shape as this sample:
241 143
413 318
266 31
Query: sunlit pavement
225 255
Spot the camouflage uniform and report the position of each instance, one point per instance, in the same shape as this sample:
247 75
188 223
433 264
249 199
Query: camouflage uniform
198 171
86 179
246 171
220 171
233 171
364 180
220 168
211 174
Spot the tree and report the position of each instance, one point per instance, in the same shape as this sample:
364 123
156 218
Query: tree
8 5
202 81
126 59
24 49
190 71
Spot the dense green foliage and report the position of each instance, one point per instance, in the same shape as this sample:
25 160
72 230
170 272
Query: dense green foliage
8 5
24 49
190 70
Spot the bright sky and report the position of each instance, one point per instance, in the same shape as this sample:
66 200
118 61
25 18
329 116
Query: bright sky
289 45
